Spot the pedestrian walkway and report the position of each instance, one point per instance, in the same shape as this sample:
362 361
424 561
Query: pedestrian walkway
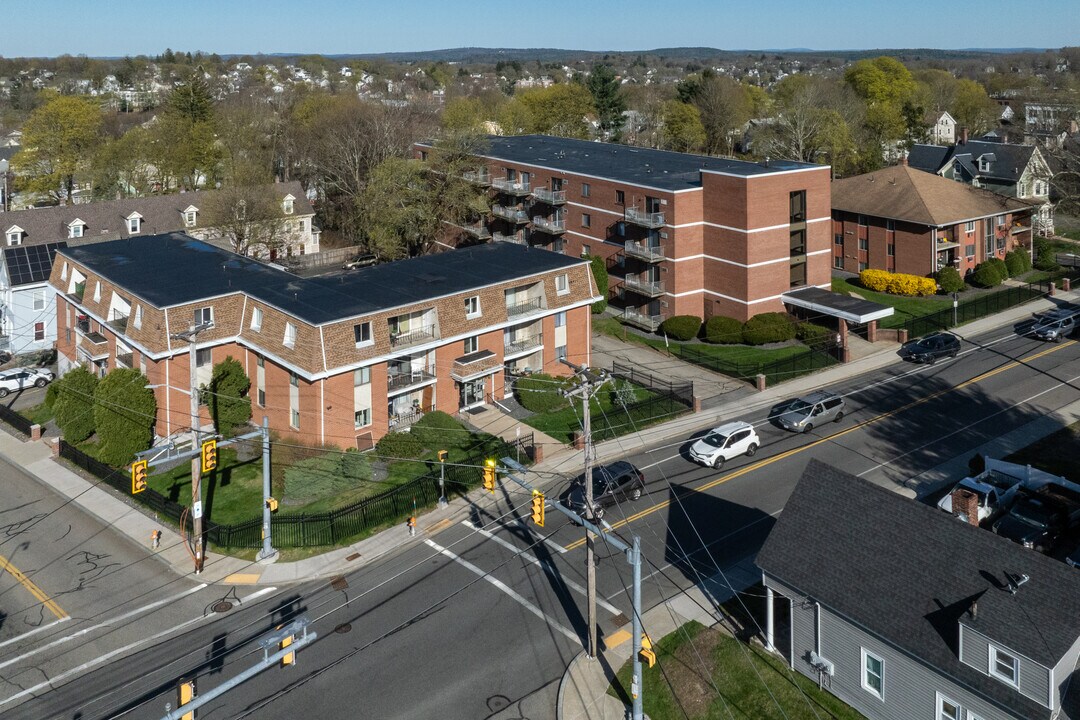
496 422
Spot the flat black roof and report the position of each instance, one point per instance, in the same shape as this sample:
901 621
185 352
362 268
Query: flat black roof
661 169
174 269
847 307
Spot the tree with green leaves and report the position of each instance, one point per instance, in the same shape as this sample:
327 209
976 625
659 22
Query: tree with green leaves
972 107
463 114
59 141
192 100
600 275
184 143
561 110
74 404
682 130
607 97
725 106
887 86
124 413
228 399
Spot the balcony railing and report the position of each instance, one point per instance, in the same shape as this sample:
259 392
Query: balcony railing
82 326
399 422
401 380
413 337
549 196
477 230
479 177
119 322
511 187
945 244
522 344
1017 229
125 359
645 219
642 320
514 215
649 288
524 308
518 238
551 227
632 248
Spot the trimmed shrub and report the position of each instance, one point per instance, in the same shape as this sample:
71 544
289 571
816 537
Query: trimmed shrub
1045 258
986 276
812 334
326 475
723 330
540 393
681 327
1018 262
897 283
999 265
600 274
51 394
949 279
228 399
437 430
621 393
399 445
124 414
768 328
75 404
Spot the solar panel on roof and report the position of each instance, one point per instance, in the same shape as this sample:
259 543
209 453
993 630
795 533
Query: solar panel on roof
31 263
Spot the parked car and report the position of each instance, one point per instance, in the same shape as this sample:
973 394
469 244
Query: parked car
993 494
815 409
360 261
1054 325
1037 519
931 348
18 379
724 443
611 483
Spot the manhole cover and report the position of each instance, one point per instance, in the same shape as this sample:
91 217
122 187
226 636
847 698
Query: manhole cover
620 620
498 702
222 607
339 582
343 628
352 557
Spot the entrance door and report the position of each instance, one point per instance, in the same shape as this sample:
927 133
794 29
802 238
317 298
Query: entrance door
471 392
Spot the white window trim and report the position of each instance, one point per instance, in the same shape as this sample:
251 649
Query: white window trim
14 238
203 314
41 294
256 319
371 335
474 341
289 340
356 425
969 227
470 315
566 284
941 699
1013 681
75 230
865 675
137 320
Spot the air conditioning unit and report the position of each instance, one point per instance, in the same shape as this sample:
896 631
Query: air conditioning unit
820 663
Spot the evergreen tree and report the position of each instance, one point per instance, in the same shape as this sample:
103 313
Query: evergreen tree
607 97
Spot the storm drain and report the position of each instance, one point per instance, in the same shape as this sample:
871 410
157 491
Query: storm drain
343 628
339 582
620 620
222 607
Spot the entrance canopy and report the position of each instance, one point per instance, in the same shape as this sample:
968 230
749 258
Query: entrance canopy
844 307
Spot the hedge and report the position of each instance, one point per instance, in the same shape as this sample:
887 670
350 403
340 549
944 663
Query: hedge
74 404
949 279
986 276
681 327
399 445
1045 258
812 334
540 393
326 475
999 265
124 413
722 329
438 430
768 328
897 283
1018 262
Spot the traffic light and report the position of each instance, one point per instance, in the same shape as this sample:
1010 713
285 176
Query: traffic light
489 474
185 693
139 468
538 508
289 658
272 503
647 654
442 455
209 455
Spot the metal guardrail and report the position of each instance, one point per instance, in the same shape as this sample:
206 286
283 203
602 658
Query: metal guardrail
647 219
651 288
412 338
642 320
511 187
633 248
549 196
517 238
523 308
517 346
509 213
547 225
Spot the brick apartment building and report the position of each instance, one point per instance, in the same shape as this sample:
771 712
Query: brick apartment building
904 220
336 359
681 234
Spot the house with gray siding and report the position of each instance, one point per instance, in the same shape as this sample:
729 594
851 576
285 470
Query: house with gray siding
27 301
905 613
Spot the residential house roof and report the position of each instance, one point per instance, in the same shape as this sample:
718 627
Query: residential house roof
904 193
660 169
909 573
1007 161
107 219
31 264
175 269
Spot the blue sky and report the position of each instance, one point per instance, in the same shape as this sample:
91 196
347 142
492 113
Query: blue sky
120 27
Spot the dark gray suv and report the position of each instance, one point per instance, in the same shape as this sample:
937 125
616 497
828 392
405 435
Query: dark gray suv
811 411
611 483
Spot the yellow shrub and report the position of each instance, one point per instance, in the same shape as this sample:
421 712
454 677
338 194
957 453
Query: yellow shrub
897 283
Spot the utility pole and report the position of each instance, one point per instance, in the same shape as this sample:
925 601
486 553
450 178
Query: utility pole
268 553
589 386
196 461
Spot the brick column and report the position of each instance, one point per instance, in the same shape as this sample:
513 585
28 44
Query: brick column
902 335
35 432
1053 288
697 404
1066 285
578 441
759 382
871 331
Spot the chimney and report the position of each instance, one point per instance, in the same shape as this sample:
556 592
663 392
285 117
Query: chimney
963 135
966 504
974 610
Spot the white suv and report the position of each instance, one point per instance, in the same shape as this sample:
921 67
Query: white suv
724 443
23 378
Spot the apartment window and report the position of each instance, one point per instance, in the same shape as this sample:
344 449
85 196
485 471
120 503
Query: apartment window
562 284
1004 666
39 299
362 418
873 674
586 220
620 197
137 321
294 419
260 361
890 225
620 229
75 231
864 244
838 262
585 190
14 238
294 380
862 220
290 335
892 249
948 709
797 204
256 319
864 266
39 331
969 227
560 319
586 249
560 352
361 376
262 398
472 307
203 357
472 344
969 250
838 239
204 316
362 334
133 224
999 221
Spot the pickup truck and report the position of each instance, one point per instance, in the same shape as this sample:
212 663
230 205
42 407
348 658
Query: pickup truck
1038 518
993 494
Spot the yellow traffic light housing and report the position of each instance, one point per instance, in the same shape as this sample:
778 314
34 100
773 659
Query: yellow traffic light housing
185 693
289 658
538 508
272 503
442 455
489 475
139 469
647 654
209 455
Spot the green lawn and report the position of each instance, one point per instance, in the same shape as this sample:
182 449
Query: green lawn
39 414
231 493
906 307
609 419
1072 235
696 662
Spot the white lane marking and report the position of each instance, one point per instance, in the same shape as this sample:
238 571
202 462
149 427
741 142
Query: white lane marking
35 631
552 623
257 594
105 623
550 543
546 567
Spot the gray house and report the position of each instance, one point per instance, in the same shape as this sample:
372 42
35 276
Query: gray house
907 614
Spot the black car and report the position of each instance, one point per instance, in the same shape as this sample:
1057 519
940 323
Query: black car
612 483
931 348
1034 522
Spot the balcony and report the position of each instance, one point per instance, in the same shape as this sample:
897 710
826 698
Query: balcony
644 219
511 187
400 422
633 248
521 345
413 337
125 360
476 230
477 177
77 294
514 215
475 365
648 288
1019 229
638 319
404 380
517 238
946 244
551 197
551 227
524 308
119 323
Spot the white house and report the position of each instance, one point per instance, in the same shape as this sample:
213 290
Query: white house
27 301
942 128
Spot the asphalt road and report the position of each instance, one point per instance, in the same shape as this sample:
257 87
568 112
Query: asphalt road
474 619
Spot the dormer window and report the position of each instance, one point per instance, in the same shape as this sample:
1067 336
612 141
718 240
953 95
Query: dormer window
191 216
288 204
134 223
14 235
76 228
1004 666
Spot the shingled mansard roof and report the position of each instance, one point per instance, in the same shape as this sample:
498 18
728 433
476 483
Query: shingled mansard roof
1006 160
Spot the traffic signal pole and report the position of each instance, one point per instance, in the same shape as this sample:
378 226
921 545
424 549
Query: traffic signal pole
196 461
268 553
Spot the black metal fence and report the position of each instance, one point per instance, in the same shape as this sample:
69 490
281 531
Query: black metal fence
681 391
977 307
15 420
802 362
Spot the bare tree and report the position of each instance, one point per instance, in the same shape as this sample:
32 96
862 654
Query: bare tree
249 217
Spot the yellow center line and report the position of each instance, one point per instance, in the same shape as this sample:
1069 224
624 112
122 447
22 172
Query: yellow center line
858 426
27 583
